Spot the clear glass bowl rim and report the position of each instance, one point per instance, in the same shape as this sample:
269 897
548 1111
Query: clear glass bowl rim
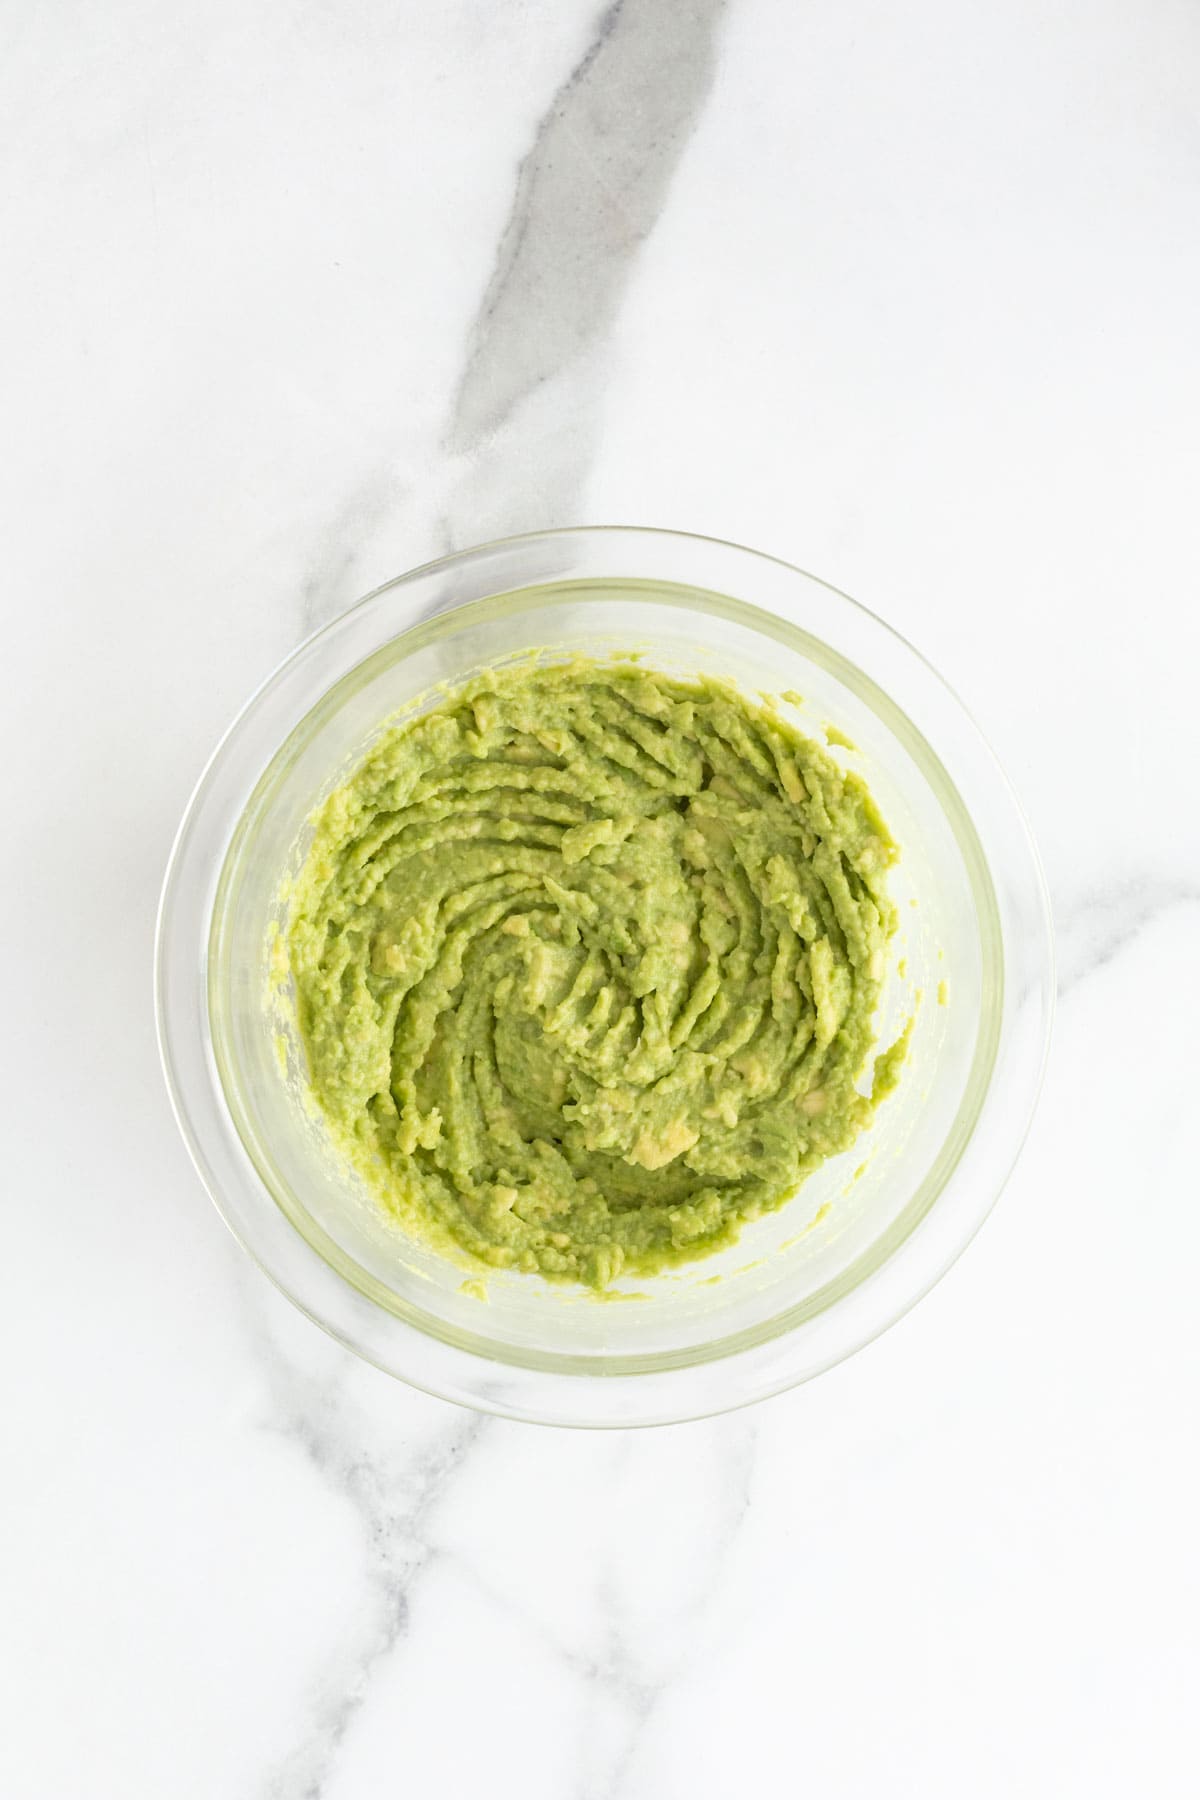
464 1372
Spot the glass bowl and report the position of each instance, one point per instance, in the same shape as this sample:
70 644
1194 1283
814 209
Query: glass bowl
865 1236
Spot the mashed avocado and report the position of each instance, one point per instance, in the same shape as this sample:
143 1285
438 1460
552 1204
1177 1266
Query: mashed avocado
585 962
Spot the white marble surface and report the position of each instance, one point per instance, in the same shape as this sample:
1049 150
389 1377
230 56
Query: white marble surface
299 294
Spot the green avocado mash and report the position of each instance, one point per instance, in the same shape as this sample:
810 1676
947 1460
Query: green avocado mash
585 962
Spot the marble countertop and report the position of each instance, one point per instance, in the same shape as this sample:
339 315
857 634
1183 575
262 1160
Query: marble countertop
302 294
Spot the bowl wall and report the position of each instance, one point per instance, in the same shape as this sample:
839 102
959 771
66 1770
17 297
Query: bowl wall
709 1333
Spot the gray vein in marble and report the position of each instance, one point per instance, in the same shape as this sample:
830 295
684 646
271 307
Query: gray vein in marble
332 584
399 1555
587 196
521 434
395 1498
621 1668
1100 926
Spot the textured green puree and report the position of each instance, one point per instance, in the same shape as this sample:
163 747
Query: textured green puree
585 964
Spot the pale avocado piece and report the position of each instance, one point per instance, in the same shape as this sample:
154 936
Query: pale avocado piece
585 963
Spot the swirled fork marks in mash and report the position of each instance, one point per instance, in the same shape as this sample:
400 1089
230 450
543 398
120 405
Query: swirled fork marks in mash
586 960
